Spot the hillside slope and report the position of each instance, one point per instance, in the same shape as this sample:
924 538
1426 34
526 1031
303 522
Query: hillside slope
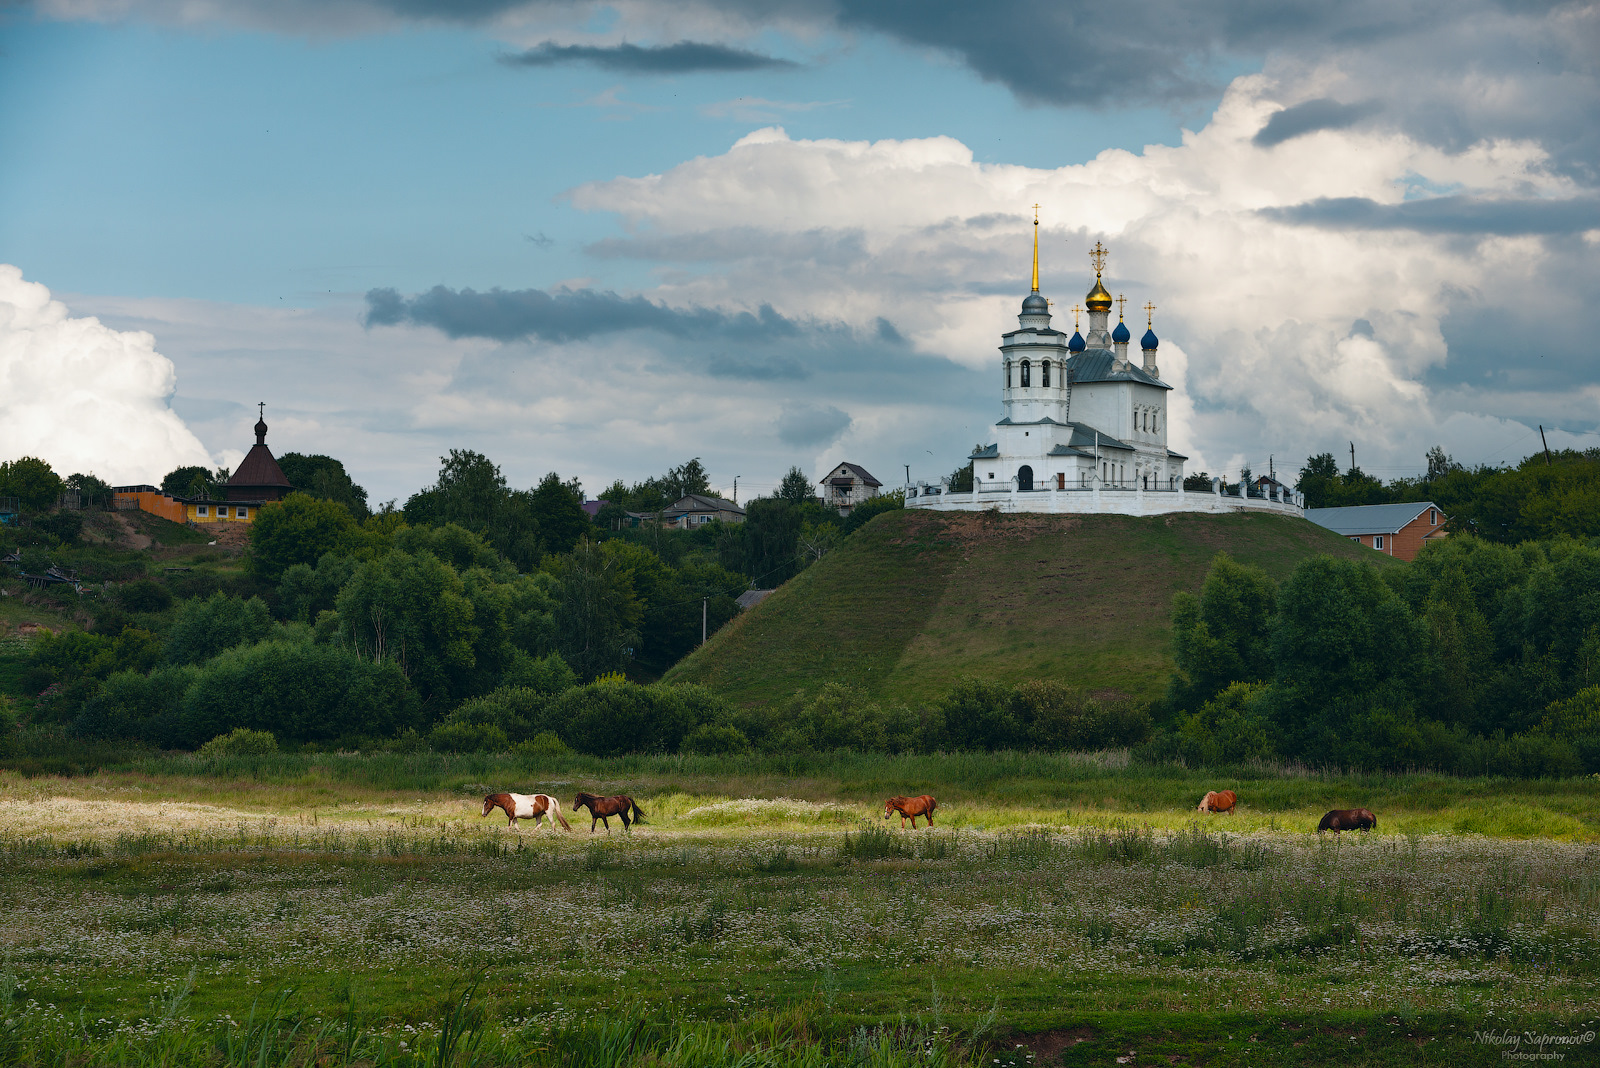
915 600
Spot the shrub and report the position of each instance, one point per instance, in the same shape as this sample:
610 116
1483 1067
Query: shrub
131 705
606 719
543 744
1058 717
241 741
514 710
715 739
978 714
205 628
299 691
549 675
457 737
65 525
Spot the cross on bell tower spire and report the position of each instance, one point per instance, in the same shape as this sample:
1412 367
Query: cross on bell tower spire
1036 248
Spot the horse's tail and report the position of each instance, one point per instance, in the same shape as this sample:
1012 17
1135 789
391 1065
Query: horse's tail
555 810
638 813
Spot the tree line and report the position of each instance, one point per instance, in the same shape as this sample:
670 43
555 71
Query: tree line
1477 657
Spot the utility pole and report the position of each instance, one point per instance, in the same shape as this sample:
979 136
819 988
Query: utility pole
1352 456
703 602
735 489
908 474
1546 445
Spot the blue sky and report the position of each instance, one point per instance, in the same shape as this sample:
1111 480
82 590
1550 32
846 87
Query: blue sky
243 180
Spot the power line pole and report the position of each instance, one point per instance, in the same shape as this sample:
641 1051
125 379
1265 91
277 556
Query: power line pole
703 602
908 474
1546 445
1352 456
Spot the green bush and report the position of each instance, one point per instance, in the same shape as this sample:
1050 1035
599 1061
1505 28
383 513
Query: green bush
1057 717
456 737
144 595
241 741
204 628
543 744
609 718
299 691
715 739
548 675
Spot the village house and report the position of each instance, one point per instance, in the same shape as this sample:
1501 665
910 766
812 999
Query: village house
258 480
1401 530
847 486
697 508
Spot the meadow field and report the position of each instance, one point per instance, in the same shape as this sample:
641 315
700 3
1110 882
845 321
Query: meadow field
1073 909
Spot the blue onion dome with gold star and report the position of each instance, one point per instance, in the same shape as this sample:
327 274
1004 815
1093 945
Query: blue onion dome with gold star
1077 344
1149 340
1121 335
1034 304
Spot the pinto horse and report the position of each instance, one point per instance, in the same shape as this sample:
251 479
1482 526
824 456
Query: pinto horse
602 808
526 807
1219 801
911 807
1348 819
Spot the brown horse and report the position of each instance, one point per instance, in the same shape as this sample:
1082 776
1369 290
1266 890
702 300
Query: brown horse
1219 801
1348 819
602 808
911 807
526 807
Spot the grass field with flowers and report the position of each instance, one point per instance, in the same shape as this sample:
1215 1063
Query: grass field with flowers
349 909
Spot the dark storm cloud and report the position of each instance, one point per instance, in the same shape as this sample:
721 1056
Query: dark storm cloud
1313 115
1446 215
685 57
776 368
810 425
565 315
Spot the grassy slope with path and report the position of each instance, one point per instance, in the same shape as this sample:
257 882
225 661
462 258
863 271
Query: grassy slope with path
915 600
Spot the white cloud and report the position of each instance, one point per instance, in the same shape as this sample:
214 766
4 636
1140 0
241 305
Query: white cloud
1264 308
82 396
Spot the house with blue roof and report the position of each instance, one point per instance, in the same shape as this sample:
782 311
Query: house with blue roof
1400 530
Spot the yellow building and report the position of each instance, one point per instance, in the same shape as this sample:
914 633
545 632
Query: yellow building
257 481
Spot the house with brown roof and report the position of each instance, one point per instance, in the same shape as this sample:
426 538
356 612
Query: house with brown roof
847 486
258 480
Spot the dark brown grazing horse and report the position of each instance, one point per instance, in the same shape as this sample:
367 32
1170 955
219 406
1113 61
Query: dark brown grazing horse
1348 819
601 808
911 807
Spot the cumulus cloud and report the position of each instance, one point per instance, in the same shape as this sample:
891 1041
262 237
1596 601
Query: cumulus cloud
683 57
82 396
1261 260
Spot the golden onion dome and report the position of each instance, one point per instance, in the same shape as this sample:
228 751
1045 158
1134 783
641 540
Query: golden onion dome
1098 299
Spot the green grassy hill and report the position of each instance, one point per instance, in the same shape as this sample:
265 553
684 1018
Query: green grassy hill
915 600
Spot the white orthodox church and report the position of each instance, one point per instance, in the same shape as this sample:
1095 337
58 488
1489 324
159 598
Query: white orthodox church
1083 428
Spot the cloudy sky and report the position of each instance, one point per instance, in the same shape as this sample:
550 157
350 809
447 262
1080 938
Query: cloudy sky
603 238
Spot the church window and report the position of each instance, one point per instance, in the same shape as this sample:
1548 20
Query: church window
1026 377
1008 374
1147 421
1044 373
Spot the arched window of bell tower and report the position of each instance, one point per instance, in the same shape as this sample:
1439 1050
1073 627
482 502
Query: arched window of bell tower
1026 376
1008 374
1044 373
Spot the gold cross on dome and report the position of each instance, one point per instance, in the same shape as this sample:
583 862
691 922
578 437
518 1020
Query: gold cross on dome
1075 311
1036 215
1097 256
1122 306
1149 314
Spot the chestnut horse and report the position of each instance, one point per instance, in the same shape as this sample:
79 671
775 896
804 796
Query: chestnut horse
526 807
602 808
1219 801
1348 819
912 807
